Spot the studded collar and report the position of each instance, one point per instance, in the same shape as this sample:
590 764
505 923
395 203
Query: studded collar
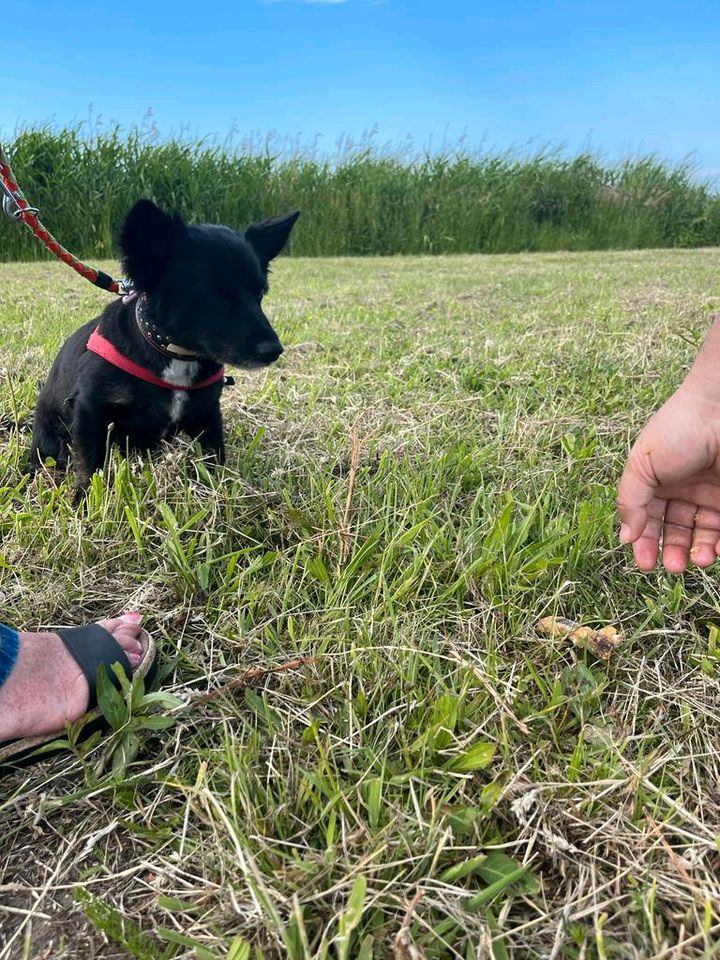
153 334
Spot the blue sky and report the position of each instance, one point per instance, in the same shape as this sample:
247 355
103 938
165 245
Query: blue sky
623 77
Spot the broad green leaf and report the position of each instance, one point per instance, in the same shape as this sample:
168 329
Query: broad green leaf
464 869
497 865
159 698
462 820
177 906
366 948
156 723
126 752
60 744
316 567
478 756
489 795
119 672
495 889
374 798
138 692
110 700
443 720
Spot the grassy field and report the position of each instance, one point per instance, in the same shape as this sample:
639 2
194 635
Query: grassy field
428 470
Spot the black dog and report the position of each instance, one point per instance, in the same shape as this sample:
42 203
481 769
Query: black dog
150 365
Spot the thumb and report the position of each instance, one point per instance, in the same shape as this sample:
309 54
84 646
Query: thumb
635 493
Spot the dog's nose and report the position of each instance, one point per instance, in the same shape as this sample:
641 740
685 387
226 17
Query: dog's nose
268 350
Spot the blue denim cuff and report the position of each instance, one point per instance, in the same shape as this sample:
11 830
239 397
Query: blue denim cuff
9 646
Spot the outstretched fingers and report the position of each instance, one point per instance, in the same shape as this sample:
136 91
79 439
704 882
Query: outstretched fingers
647 544
687 533
677 535
705 539
636 493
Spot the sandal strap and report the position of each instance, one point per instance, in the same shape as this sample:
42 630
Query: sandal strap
92 647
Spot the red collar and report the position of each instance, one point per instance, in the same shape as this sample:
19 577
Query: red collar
108 351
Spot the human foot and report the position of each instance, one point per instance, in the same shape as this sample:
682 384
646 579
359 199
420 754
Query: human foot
46 687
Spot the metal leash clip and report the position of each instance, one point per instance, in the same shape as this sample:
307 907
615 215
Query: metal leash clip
10 206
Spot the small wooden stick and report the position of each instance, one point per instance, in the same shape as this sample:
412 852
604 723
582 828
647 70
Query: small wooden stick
249 676
403 947
673 857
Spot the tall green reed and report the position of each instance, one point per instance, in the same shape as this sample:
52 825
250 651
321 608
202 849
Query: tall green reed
362 199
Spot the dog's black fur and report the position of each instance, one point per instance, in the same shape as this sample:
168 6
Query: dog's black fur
203 288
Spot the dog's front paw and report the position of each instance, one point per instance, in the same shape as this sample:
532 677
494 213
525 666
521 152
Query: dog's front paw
78 492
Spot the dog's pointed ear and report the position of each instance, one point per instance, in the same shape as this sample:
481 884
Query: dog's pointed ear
147 239
269 237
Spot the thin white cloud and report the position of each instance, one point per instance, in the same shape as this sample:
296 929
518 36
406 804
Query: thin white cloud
308 2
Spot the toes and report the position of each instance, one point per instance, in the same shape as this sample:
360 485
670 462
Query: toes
129 642
125 627
118 623
126 631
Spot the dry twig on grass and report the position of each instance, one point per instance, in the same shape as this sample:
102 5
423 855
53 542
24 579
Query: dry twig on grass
250 676
403 947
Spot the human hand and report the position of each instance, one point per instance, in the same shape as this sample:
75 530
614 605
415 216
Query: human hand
670 488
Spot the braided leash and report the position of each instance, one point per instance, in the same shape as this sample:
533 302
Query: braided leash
17 208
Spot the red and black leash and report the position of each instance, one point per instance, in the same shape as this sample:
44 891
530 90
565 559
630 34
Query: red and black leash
16 207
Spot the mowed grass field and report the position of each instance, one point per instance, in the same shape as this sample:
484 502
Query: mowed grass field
429 469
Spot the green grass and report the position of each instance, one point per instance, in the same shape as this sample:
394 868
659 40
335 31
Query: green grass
365 199
428 470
